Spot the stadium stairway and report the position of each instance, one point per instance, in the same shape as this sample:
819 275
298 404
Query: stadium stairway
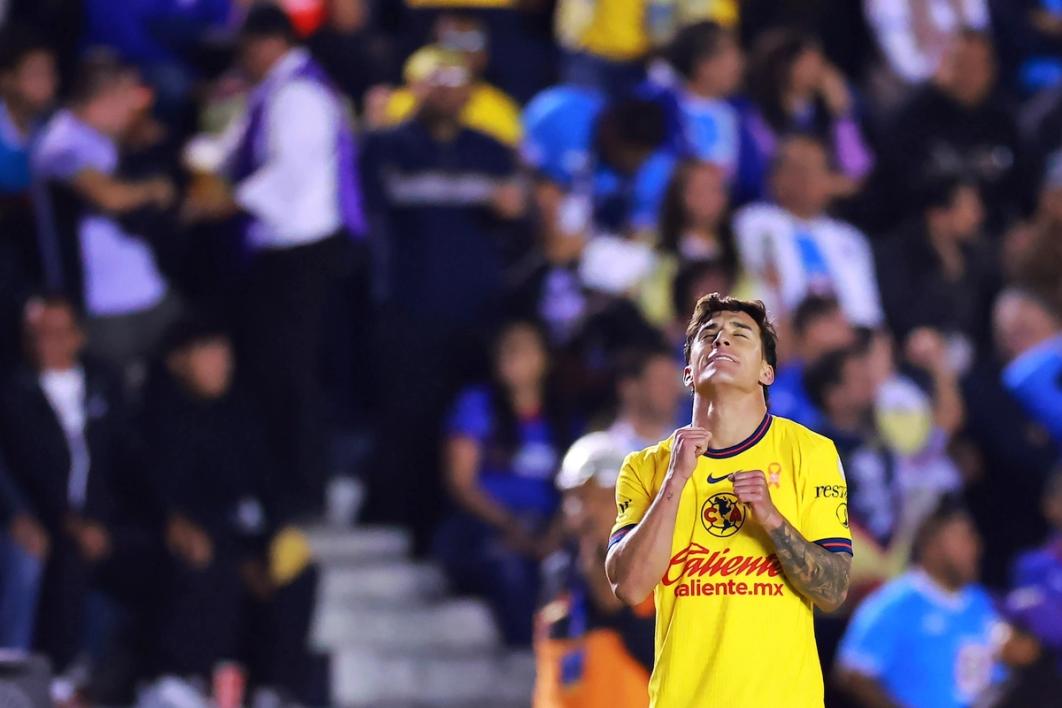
396 639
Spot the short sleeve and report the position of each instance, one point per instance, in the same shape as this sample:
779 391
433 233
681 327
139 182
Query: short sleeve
470 416
870 643
632 500
824 505
558 132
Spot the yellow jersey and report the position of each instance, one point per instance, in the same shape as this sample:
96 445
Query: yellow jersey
731 630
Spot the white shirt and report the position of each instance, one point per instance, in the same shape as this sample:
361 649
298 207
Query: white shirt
893 24
294 194
120 273
818 256
65 391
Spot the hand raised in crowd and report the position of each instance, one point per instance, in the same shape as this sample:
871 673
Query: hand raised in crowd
926 347
189 542
834 90
30 535
690 443
91 537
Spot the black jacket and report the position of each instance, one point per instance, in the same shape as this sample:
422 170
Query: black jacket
915 291
37 454
206 459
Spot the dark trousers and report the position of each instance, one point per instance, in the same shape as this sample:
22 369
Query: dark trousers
200 616
478 562
60 625
281 331
278 651
421 362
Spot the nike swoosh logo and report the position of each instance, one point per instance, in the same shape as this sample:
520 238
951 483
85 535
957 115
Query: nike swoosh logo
717 480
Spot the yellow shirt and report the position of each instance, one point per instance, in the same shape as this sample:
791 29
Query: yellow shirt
625 30
488 110
731 630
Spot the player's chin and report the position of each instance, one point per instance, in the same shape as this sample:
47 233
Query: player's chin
715 377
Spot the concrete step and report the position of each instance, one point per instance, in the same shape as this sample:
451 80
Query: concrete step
363 544
462 625
380 583
366 678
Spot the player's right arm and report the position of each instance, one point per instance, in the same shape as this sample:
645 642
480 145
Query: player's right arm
640 547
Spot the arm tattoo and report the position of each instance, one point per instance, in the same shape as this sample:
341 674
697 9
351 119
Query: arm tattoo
818 574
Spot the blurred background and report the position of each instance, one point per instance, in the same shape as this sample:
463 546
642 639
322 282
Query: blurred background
326 325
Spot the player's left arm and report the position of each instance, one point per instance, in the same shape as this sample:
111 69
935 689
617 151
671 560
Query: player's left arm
818 568
819 575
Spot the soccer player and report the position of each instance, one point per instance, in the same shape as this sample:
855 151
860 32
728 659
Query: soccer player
739 523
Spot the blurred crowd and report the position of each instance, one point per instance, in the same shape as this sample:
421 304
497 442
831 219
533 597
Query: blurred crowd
450 247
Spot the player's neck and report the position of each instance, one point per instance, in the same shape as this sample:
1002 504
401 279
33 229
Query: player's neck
731 419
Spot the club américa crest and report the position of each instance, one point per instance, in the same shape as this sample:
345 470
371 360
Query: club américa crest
722 515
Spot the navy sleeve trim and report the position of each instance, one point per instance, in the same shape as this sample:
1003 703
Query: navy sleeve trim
618 535
836 545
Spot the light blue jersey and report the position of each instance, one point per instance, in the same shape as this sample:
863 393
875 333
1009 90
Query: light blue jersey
925 646
559 126
711 129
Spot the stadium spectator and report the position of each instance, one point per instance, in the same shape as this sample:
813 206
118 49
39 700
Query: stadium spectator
932 636
918 409
709 63
208 467
601 167
818 327
68 447
503 445
841 386
28 84
957 126
355 57
83 208
445 200
591 649
939 272
793 88
489 109
914 36
694 226
793 249
1029 335
650 398
694 222
293 170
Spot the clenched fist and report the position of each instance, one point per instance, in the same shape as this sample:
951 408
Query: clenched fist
751 488
690 444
